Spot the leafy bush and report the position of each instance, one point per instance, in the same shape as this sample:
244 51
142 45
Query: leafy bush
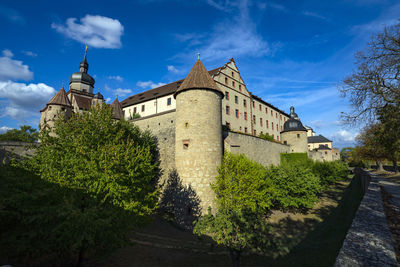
241 183
296 186
24 134
295 158
266 136
330 172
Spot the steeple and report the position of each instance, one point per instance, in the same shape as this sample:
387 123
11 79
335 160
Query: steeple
84 66
198 78
117 110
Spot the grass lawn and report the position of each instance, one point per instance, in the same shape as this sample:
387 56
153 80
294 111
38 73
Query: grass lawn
311 239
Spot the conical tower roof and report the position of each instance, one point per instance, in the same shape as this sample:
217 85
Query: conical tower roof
198 78
60 99
117 110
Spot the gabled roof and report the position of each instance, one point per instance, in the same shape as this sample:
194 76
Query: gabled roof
199 78
163 90
83 102
318 139
117 110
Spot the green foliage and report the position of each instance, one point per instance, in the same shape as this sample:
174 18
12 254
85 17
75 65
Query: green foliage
294 158
111 169
296 186
134 116
24 134
266 136
241 184
330 172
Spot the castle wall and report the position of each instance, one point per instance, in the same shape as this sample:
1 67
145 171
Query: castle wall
162 126
151 107
257 149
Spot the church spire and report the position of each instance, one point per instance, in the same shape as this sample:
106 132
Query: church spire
84 66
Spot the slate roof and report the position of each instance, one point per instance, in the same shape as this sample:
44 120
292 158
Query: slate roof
323 147
83 102
318 139
292 125
199 78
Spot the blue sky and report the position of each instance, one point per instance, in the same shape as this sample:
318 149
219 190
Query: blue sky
288 52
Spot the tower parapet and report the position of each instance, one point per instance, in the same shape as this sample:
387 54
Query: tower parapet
198 142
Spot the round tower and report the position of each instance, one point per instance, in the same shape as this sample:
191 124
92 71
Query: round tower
198 140
294 134
58 105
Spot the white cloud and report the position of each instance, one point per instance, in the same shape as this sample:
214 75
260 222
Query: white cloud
149 84
12 15
117 78
172 69
343 138
7 53
24 100
11 69
108 100
122 92
4 129
96 31
312 14
30 53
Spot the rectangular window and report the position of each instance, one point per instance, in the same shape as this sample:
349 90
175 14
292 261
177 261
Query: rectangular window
142 108
280 117
226 80
254 119
233 84
169 101
134 110
245 116
226 95
245 129
236 99
272 113
272 125
260 106
267 124
227 110
277 128
244 103
261 122
276 115
233 74
254 104
237 113
266 110
240 87
255 132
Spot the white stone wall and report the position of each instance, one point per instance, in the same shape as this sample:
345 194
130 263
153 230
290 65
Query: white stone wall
297 140
151 107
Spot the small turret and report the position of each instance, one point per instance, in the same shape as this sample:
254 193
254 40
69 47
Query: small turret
58 105
117 110
82 81
294 134
98 99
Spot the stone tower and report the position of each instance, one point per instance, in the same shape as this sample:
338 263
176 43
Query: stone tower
294 134
58 105
198 140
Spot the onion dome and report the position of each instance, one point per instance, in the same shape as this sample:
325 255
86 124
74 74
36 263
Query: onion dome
198 78
294 123
82 76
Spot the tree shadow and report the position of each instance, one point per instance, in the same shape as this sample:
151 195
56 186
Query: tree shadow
180 203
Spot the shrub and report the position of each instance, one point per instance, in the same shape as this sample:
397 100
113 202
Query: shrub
295 158
296 186
266 136
330 172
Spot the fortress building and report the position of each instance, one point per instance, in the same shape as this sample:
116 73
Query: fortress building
79 97
196 120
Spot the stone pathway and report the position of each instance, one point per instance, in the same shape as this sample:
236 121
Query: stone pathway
368 241
393 189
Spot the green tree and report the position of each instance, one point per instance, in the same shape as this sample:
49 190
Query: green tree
243 197
375 83
111 165
389 135
25 134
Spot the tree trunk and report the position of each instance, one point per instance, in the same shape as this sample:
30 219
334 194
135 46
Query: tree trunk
396 170
235 257
380 166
